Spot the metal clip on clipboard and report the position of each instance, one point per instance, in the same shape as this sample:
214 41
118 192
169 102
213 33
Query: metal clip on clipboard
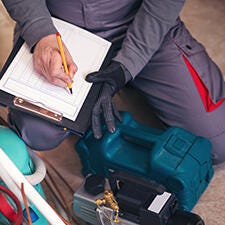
29 106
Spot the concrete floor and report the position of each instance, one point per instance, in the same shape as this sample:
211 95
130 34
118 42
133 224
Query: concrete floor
205 20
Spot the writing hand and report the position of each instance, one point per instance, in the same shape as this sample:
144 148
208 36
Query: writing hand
48 62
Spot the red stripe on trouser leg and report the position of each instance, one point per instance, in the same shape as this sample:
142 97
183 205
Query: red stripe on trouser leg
202 89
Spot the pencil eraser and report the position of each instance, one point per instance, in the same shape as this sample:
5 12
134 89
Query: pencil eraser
57 34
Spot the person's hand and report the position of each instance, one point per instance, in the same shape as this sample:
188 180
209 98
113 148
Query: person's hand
112 79
47 61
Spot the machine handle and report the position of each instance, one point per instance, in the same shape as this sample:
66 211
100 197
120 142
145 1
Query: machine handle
128 178
140 137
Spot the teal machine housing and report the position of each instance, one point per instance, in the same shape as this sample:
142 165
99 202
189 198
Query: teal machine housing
17 151
175 158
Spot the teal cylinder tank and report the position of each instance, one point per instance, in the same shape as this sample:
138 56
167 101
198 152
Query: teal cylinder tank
17 151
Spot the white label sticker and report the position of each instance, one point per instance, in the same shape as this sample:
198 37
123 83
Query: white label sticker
158 202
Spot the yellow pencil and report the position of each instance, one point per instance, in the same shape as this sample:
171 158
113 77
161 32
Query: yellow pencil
58 37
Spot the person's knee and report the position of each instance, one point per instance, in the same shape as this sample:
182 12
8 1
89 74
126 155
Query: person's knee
43 139
35 132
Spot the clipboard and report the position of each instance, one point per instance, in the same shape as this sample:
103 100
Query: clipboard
82 122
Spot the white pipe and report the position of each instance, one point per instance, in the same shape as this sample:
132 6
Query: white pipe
30 191
10 183
33 179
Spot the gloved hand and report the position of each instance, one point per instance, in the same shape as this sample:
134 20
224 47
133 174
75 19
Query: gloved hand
112 78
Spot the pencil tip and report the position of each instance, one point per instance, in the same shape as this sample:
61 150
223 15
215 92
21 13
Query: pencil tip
71 91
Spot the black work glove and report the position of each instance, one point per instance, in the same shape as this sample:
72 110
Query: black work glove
112 79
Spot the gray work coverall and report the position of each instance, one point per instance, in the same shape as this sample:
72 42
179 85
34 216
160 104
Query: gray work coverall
153 44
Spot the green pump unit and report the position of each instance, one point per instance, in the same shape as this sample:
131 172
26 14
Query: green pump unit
175 158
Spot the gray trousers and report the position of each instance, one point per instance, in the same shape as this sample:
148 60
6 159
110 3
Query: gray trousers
169 87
